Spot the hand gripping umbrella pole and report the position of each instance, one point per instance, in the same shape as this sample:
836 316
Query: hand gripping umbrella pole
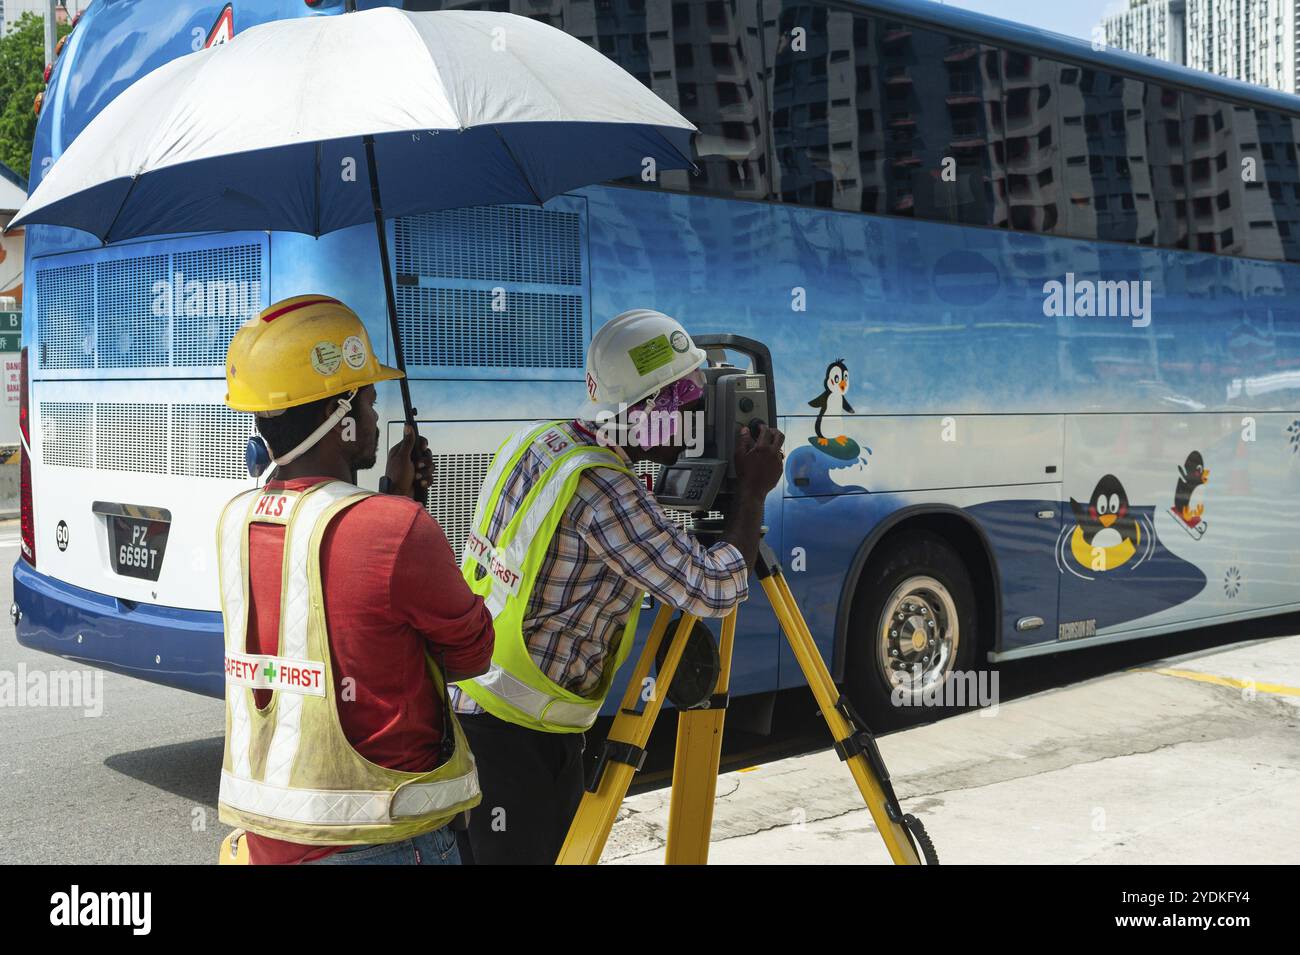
699 743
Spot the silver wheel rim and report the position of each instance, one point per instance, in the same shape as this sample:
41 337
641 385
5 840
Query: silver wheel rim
918 635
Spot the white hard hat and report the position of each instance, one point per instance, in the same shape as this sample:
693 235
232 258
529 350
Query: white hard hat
632 356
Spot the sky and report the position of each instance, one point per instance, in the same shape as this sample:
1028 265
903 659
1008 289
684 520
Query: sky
1071 17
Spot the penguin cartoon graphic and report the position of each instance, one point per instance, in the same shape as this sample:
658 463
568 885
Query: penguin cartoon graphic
1106 536
1189 498
831 405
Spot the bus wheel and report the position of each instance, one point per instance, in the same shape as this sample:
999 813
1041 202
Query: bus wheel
913 622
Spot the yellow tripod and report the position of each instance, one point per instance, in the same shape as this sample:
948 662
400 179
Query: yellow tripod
699 744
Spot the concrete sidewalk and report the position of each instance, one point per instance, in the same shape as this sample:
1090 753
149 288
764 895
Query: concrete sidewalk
1184 761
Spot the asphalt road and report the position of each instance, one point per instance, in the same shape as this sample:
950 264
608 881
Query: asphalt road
132 777
135 782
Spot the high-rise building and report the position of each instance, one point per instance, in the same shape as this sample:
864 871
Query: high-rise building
1249 40
1150 27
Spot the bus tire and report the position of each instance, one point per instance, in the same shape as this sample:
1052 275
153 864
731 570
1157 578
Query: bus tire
913 619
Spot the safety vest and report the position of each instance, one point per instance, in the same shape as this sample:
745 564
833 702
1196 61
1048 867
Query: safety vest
289 771
514 688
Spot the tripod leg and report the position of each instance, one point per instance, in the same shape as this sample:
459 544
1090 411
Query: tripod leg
625 746
827 694
695 766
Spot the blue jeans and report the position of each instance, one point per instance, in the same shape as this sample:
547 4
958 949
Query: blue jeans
431 848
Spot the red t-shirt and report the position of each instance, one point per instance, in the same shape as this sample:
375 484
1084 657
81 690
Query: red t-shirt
392 588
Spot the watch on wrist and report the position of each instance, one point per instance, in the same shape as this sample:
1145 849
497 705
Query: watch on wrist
385 485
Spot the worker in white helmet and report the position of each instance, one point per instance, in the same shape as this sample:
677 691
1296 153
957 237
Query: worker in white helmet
565 542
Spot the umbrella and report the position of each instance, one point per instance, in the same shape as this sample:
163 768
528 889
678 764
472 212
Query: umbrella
319 123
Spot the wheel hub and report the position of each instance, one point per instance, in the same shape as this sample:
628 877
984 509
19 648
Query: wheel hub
918 634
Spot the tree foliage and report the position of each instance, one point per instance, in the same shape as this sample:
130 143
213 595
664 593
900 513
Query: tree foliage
22 65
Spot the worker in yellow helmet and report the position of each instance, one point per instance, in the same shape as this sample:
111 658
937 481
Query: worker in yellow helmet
345 614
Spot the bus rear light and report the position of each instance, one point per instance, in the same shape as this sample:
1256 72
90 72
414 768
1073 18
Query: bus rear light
49 68
28 522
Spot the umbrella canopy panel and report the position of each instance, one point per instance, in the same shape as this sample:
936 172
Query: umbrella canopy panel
266 132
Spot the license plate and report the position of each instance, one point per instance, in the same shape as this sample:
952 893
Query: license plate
137 538
137 546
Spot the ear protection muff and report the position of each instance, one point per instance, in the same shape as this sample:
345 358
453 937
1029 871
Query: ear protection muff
257 456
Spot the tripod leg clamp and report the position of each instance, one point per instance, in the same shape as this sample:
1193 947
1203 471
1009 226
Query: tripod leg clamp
618 752
862 742
718 701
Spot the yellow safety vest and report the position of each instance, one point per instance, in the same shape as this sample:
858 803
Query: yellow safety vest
514 688
289 771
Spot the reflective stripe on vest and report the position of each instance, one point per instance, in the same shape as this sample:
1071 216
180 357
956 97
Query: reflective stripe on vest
502 463
305 511
265 787
340 807
537 703
514 688
507 562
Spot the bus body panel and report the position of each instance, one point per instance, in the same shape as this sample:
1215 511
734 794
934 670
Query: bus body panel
180 648
969 461
73 535
1241 552
1017 541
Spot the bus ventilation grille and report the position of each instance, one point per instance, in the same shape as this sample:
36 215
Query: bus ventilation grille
189 440
165 310
451 498
492 287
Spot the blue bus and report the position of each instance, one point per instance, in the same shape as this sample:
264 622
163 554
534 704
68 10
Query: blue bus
1034 311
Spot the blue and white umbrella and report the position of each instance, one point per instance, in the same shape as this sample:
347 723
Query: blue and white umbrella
319 123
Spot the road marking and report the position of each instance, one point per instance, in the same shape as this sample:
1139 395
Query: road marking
1275 688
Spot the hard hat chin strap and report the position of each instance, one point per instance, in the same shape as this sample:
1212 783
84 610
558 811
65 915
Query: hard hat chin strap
341 412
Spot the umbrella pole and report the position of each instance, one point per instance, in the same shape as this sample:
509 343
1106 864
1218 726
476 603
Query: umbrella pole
398 359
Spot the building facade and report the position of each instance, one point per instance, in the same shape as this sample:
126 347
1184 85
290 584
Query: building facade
1249 40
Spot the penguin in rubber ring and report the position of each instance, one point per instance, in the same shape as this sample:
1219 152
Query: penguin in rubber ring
1107 535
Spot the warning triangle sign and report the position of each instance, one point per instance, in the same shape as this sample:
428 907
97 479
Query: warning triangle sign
223 29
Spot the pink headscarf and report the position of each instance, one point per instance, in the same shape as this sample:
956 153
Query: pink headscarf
666 405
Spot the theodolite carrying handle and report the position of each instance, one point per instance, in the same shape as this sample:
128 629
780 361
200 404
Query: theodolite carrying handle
752 348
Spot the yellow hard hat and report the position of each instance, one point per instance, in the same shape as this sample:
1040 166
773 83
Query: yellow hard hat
300 350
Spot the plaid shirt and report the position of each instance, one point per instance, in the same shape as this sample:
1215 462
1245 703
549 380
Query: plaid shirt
613 542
